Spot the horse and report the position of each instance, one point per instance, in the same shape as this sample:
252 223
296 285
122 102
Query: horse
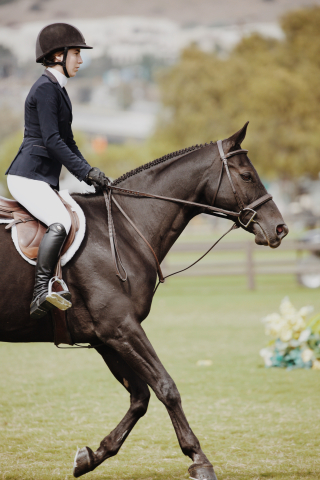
107 312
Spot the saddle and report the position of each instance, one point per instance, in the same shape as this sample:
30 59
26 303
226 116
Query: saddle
29 229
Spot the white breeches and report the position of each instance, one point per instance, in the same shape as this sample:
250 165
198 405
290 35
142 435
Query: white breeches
40 200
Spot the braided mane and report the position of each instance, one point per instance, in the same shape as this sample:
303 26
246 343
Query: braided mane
169 156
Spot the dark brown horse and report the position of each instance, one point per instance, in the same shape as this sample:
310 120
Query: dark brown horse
109 312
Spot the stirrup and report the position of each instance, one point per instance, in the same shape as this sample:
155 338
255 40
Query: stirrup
61 300
44 302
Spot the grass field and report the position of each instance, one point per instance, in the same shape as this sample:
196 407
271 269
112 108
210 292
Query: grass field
253 423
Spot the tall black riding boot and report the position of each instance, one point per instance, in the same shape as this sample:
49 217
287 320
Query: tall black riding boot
48 255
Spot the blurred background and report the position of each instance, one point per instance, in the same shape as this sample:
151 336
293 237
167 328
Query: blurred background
164 75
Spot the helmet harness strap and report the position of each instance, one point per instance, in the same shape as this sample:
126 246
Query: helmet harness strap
47 63
64 62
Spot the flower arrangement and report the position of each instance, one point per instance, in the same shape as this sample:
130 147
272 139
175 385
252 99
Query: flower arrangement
295 342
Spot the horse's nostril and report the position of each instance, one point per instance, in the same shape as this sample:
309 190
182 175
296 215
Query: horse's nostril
282 230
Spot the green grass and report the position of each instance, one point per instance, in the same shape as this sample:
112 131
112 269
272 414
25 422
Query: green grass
253 423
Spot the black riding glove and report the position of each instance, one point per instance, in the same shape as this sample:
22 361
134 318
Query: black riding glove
97 178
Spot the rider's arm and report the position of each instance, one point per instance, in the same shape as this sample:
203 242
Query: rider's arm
70 141
47 99
94 176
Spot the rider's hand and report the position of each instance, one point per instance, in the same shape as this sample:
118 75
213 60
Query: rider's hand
97 178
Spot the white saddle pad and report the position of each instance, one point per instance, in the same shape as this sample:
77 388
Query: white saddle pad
78 238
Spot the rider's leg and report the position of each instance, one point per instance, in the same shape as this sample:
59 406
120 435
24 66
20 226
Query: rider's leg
40 200
43 203
48 255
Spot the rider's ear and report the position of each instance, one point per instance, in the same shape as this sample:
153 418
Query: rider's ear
236 139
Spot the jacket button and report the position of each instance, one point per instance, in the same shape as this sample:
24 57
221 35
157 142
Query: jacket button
70 123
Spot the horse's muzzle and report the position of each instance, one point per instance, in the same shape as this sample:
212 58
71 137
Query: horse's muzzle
269 238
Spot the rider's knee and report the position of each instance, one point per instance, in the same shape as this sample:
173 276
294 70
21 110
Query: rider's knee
66 222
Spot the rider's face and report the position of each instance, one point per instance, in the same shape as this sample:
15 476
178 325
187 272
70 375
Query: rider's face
73 63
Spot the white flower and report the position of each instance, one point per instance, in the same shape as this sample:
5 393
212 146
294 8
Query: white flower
298 325
305 311
286 308
304 335
307 355
316 365
286 335
289 323
273 324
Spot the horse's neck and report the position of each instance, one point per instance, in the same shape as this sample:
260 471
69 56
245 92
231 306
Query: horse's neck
162 221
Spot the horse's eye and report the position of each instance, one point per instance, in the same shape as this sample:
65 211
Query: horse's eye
246 177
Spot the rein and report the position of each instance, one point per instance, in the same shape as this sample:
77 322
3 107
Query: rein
219 212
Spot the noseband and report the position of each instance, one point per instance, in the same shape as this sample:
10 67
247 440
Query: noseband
109 199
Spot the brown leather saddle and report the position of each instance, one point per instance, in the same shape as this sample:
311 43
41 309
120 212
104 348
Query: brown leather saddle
30 230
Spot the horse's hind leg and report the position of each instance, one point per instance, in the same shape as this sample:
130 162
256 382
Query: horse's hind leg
86 460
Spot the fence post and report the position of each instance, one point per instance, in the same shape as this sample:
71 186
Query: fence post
250 266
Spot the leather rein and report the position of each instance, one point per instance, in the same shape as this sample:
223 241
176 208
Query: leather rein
211 209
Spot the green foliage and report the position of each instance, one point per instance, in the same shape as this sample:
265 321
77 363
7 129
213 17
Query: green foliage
8 150
273 84
9 121
314 324
119 159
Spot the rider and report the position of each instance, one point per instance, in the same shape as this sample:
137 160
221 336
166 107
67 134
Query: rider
48 144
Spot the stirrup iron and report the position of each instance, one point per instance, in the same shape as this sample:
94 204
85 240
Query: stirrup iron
59 299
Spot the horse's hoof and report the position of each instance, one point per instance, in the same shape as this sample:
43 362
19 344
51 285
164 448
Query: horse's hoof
202 472
83 462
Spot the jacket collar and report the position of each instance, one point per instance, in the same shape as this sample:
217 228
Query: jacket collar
62 79
63 91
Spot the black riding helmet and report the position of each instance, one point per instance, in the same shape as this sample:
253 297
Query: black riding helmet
55 37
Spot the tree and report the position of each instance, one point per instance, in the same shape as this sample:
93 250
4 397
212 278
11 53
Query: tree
274 84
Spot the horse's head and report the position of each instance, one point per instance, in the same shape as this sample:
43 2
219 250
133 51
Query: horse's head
267 225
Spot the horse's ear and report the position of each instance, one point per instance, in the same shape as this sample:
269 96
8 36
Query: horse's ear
237 138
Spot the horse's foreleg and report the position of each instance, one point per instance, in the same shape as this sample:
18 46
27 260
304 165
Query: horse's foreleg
131 342
86 460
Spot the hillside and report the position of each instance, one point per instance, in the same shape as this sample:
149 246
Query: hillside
208 12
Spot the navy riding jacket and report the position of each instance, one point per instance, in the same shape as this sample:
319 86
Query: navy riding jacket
48 139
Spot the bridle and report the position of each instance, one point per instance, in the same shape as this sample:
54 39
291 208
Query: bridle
243 210
211 209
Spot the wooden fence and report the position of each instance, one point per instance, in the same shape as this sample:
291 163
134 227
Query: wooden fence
249 263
